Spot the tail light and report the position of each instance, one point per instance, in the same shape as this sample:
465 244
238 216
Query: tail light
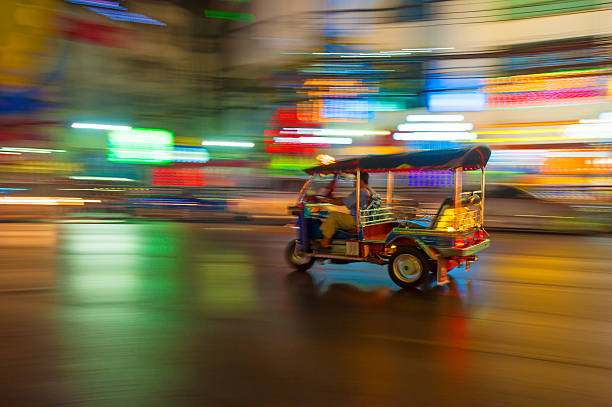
481 234
460 242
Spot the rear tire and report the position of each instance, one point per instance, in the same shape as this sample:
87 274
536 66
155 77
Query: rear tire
297 260
408 267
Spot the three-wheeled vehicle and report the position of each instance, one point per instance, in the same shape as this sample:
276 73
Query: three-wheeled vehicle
416 246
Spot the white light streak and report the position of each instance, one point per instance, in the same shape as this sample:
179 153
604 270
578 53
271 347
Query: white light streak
333 132
605 116
595 121
95 126
88 178
30 150
228 144
436 136
42 200
428 127
434 118
588 131
314 140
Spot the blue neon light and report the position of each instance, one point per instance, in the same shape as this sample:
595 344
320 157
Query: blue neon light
98 3
456 101
125 16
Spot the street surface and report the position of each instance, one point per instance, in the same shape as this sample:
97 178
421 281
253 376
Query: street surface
180 314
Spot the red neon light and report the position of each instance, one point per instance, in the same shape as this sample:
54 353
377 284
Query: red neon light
187 177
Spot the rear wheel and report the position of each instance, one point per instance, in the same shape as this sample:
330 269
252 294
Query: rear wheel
408 267
298 260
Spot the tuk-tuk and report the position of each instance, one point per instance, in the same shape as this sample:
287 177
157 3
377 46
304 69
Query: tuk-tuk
415 246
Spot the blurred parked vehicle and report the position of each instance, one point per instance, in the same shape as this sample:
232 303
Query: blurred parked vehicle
511 207
176 207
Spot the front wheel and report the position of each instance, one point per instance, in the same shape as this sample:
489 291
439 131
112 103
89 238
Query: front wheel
408 267
298 260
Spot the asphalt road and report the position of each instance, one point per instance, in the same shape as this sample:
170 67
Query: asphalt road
170 314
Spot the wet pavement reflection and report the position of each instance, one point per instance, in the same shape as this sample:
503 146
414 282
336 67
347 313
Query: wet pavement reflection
161 313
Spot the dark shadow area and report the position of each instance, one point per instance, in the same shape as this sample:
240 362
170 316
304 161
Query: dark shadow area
305 291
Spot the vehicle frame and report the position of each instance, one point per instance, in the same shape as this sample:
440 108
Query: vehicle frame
414 252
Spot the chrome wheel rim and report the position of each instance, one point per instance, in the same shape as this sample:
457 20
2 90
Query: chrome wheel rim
298 257
407 267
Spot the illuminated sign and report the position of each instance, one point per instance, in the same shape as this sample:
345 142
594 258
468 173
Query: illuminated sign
187 177
456 101
549 89
143 146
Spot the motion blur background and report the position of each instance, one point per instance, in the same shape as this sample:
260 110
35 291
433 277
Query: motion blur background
209 109
149 151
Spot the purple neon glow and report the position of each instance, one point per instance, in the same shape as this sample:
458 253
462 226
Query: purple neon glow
98 3
125 16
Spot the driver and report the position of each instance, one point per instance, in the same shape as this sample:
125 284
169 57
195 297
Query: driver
339 220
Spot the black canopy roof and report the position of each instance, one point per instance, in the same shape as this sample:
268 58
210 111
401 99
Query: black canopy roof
471 158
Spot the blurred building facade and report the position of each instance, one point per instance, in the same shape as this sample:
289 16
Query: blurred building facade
522 74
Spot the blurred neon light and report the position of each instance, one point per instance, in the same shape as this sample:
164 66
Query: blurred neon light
314 140
578 136
402 52
595 121
333 132
30 150
428 49
434 118
95 126
98 3
456 101
91 178
189 177
545 84
560 123
41 200
125 16
433 136
506 79
145 146
228 144
589 154
228 15
519 131
589 131
7 190
92 189
605 116
553 88
428 127
190 154
9 153
521 139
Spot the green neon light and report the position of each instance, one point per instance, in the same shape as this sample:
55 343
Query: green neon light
142 146
228 15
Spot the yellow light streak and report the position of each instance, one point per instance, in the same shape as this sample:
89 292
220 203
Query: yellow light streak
45 200
518 131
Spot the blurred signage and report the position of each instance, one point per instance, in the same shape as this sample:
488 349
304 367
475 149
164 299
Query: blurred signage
456 101
187 177
555 88
143 146
519 9
336 101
